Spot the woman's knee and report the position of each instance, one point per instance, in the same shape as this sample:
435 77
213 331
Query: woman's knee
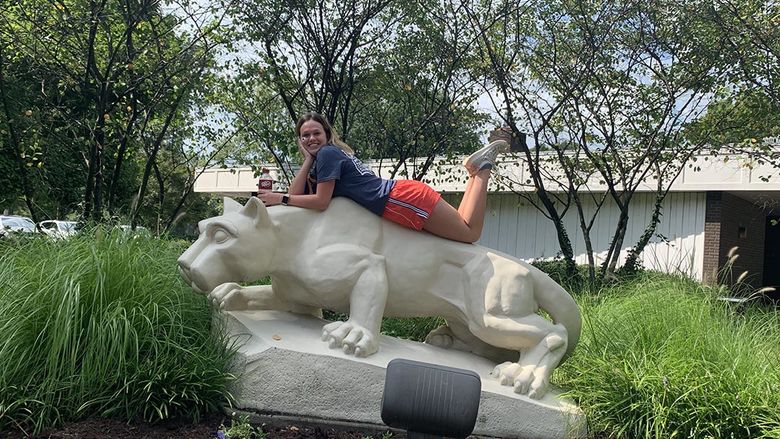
471 235
459 232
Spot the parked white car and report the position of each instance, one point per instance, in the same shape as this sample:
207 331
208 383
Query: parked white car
57 228
15 224
127 230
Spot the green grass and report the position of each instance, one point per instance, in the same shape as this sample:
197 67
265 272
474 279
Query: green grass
416 328
661 358
101 325
410 328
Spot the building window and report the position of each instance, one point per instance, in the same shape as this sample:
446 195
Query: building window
742 232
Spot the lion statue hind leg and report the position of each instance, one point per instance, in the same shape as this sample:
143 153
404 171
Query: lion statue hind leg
455 335
542 345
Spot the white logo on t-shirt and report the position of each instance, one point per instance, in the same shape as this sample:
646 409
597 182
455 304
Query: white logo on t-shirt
359 166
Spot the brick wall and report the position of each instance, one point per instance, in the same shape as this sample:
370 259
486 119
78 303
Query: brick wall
730 222
712 226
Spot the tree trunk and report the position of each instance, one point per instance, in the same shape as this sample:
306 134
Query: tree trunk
174 216
90 184
98 147
541 191
153 154
160 195
588 243
613 255
90 70
632 261
15 143
563 236
120 158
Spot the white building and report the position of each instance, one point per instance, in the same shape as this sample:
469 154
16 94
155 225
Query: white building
726 203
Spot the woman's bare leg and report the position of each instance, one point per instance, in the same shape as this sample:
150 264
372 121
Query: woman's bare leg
466 194
464 224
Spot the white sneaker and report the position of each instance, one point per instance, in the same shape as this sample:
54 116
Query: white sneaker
485 156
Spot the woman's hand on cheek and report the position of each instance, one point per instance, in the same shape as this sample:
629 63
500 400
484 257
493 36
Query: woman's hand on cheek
304 152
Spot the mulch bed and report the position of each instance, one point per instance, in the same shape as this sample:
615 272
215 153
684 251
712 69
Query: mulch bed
206 429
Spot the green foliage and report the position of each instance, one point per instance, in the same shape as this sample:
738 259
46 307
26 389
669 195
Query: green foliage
420 100
556 269
259 137
389 75
611 88
101 324
93 93
580 282
416 328
242 429
660 357
752 36
410 328
732 119
8 174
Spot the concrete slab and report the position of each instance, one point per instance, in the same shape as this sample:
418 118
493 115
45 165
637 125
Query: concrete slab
287 372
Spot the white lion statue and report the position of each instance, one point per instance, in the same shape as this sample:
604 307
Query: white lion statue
349 260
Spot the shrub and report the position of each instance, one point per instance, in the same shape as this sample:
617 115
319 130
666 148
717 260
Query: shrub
101 324
662 358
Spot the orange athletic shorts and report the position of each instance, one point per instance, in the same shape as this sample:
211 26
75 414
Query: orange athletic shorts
411 203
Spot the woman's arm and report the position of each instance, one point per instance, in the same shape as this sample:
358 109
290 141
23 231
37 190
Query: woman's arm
298 185
318 201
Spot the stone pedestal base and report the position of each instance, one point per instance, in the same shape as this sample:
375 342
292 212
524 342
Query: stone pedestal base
288 373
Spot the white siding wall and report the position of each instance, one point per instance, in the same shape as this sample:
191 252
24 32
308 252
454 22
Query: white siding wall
514 226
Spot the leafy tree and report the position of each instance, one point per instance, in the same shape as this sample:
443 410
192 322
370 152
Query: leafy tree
419 99
750 34
507 47
104 81
313 53
20 152
747 109
257 129
388 74
608 89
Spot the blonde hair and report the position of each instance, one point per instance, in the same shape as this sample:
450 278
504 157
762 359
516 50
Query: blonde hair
330 133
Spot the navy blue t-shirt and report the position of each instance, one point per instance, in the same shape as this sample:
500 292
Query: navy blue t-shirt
353 179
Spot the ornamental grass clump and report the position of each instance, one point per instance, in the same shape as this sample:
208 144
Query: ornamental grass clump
663 358
101 325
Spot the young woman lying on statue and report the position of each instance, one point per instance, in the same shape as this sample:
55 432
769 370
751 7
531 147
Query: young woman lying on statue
331 170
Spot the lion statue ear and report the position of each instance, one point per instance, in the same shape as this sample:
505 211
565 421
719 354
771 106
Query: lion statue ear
255 209
230 205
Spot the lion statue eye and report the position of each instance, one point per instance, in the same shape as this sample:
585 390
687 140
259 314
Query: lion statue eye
221 236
